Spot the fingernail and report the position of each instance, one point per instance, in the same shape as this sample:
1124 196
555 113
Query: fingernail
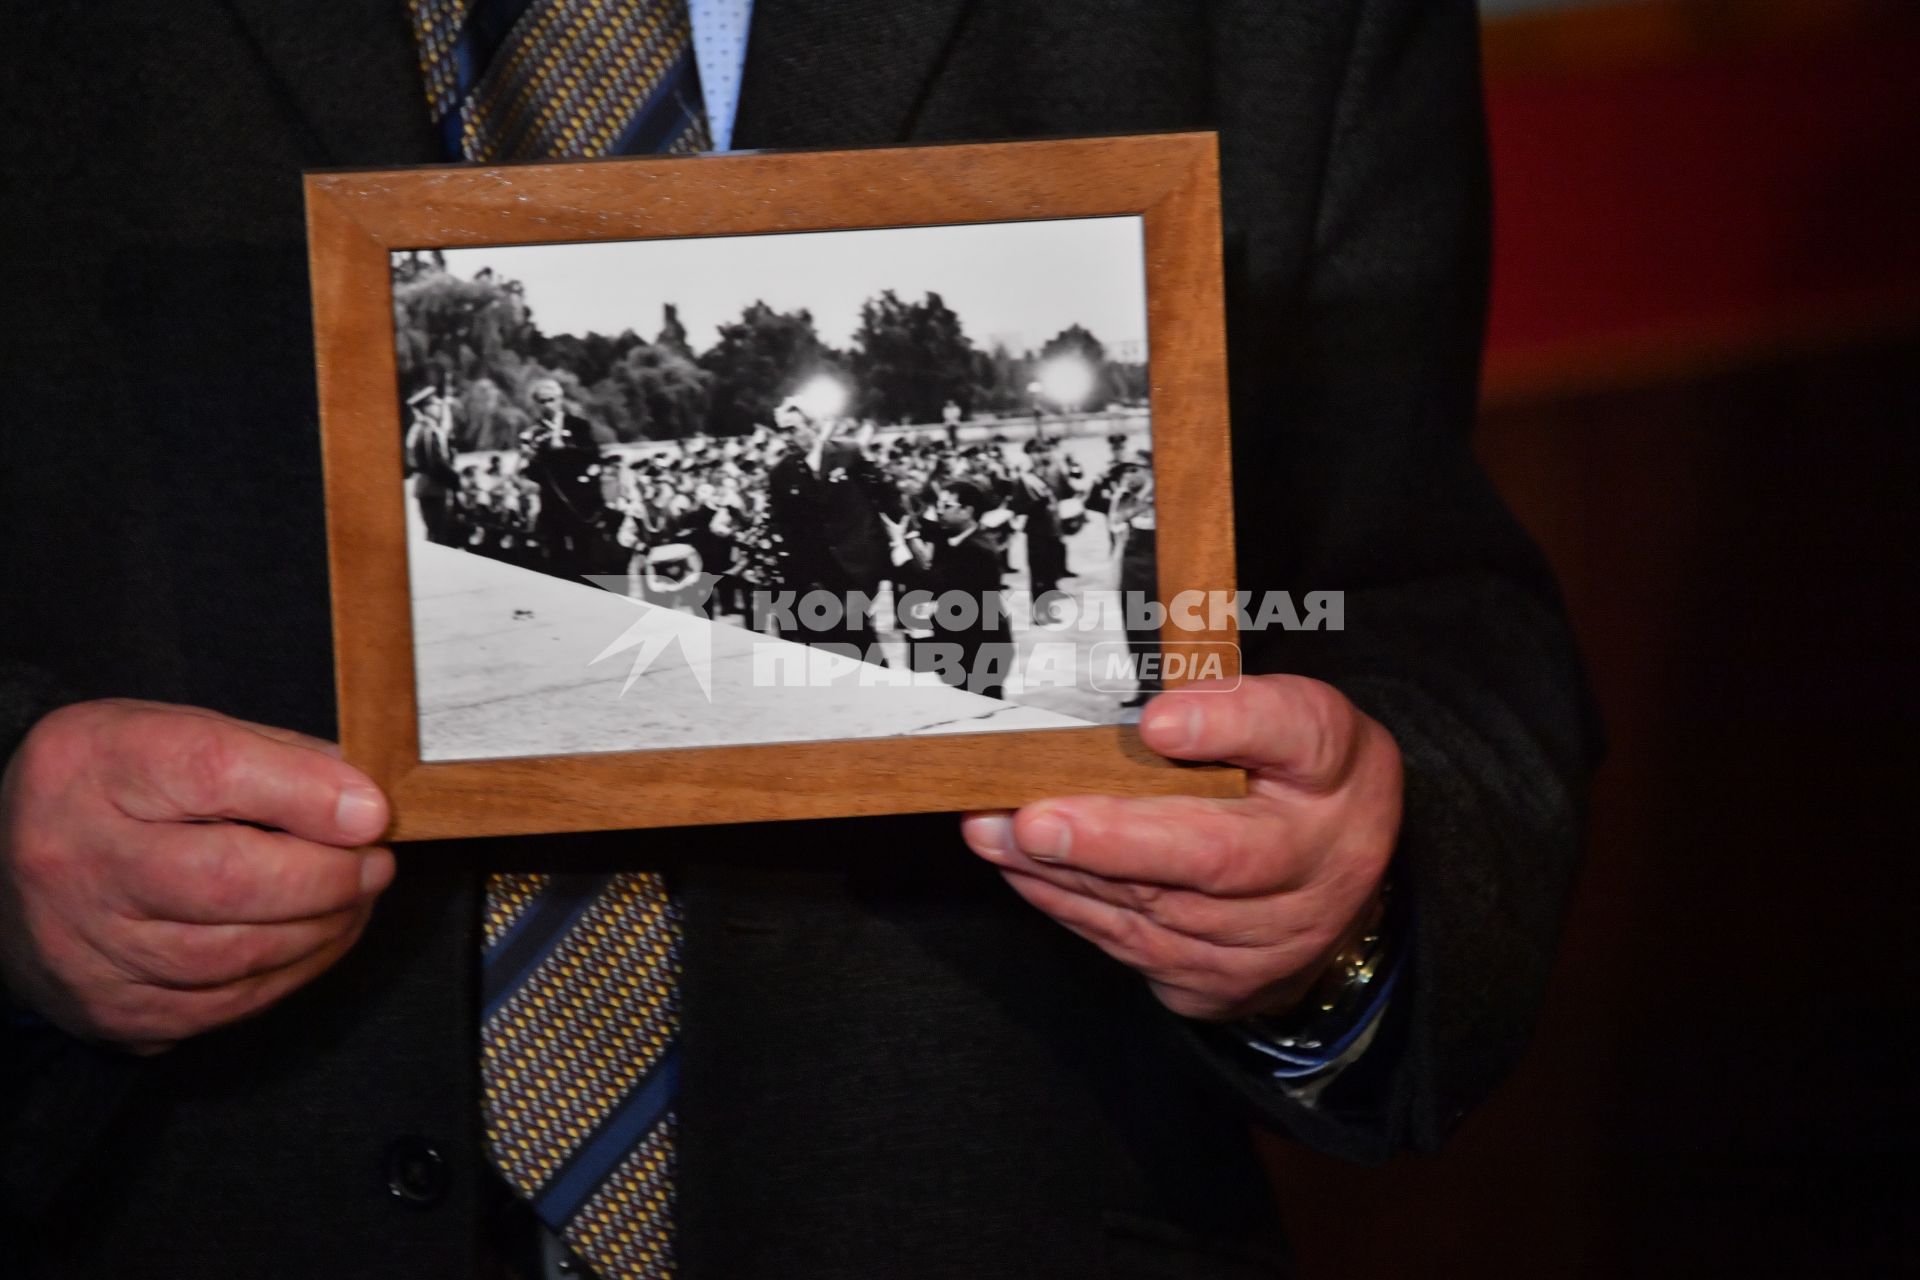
1048 839
360 812
376 873
1177 730
990 834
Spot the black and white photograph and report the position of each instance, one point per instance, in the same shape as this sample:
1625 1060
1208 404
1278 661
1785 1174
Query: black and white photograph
777 488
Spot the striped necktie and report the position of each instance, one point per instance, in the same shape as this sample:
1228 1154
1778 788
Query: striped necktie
535 79
579 1012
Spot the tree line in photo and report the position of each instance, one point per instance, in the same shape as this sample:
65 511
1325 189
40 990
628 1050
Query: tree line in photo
477 341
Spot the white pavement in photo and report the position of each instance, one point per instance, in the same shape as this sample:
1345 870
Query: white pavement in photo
505 667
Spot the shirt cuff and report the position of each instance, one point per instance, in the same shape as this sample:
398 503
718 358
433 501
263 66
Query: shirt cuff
1304 1068
1304 1052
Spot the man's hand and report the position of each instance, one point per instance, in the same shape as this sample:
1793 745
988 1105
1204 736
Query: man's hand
1229 908
168 870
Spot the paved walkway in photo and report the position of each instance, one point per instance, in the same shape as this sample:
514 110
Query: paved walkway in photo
506 666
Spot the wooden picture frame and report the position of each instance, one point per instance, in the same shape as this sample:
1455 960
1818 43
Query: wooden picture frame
357 220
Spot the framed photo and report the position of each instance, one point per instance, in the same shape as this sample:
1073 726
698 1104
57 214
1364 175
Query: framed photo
725 488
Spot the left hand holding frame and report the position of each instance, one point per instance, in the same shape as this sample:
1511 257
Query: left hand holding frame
1228 908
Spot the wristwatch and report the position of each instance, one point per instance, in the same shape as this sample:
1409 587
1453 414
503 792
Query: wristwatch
1341 1005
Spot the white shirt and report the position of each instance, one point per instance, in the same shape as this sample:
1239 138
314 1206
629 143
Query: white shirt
720 51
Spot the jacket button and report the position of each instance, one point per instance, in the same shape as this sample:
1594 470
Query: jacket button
416 1171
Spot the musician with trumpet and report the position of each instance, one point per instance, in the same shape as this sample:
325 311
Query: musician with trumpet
561 457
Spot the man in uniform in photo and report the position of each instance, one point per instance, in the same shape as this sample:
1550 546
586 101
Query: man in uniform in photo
430 460
1037 497
1134 527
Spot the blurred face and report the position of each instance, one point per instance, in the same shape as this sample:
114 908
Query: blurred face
794 425
950 512
546 398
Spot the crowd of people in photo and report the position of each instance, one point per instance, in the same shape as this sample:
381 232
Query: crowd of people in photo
810 501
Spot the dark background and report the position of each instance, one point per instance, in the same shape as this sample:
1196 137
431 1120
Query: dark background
1703 399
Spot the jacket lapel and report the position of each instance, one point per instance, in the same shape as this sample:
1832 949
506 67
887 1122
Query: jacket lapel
840 72
350 75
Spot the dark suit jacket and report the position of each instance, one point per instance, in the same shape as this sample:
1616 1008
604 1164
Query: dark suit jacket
892 1069
567 471
830 522
973 568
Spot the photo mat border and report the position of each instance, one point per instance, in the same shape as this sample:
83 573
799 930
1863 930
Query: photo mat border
356 219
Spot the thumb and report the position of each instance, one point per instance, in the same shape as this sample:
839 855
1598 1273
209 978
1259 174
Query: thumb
1291 728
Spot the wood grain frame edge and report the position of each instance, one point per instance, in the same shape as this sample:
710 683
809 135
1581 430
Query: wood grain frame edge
367 550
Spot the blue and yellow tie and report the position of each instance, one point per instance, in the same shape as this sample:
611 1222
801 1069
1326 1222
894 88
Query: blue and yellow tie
535 79
579 1060
579 976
